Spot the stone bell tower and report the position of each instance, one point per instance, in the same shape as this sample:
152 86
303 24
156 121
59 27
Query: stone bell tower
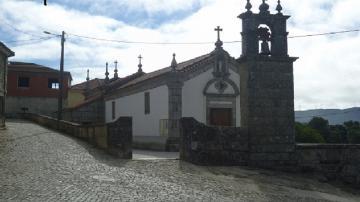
267 87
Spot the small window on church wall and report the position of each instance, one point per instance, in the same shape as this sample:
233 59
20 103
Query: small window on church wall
147 102
113 109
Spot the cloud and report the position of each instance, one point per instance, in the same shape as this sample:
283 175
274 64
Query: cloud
325 74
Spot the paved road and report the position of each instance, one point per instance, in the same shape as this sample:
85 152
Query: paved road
37 164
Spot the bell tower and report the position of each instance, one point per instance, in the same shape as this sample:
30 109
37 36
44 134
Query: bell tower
267 87
264 33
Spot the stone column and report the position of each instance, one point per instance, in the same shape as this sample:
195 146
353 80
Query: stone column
175 110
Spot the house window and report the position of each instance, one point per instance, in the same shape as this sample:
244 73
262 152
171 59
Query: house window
23 82
113 110
147 102
53 83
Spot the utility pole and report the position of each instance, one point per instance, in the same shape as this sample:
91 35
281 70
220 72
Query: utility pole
61 77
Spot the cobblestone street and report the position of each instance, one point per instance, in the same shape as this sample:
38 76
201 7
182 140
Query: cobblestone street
37 164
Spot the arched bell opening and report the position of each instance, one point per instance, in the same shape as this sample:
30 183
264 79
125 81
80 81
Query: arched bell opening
264 36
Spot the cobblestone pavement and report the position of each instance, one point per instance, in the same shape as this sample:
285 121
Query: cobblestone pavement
154 155
37 164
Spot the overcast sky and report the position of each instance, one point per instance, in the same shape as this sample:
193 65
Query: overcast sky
326 75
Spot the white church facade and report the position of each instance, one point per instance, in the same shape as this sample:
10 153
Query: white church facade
206 88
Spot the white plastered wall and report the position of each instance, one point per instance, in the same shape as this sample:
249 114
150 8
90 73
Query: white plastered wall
194 101
134 106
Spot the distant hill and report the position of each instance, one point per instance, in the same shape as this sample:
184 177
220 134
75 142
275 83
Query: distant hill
334 116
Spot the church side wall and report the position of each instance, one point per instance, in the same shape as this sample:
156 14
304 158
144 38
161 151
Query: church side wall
144 125
194 101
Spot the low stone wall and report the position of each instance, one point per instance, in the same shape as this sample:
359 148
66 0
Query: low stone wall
204 145
333 161
92 112
119 137
101 135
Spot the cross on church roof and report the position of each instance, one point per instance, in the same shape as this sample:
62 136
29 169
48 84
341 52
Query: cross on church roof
115 71
218 43
107 72
218 29
140 57
140 65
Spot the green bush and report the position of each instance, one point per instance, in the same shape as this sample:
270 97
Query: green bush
305 134
321 125
353 131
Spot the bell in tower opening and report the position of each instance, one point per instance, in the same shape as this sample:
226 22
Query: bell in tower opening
266 28
264 37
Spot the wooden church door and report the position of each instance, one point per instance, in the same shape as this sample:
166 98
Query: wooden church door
221 117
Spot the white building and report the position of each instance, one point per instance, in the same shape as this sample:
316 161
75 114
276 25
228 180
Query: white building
206 88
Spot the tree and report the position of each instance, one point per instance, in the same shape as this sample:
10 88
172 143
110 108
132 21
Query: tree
338 134
305 134
352 124
322 126
353 128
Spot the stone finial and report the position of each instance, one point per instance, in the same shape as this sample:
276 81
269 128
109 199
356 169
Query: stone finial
218 43
279 7
140 65
173 63
116 70
248 6
107 73
264 8
87 76
87 86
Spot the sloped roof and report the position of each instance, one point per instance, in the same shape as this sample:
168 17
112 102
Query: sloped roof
6 50
122 81
182 67
32 67
93 83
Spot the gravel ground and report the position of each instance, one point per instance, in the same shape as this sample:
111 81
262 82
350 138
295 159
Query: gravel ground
37 164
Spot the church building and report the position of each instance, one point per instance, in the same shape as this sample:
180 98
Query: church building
206 88
215 89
